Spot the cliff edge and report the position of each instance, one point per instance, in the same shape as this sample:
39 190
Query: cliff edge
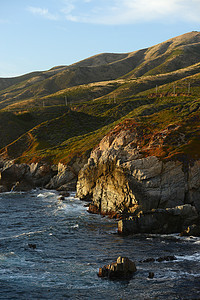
126 174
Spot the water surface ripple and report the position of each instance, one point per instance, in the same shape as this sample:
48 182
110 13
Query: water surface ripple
70 247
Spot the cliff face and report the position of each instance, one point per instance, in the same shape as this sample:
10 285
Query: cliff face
24 177
124 173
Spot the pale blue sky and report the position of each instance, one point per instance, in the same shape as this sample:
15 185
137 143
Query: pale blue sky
40 34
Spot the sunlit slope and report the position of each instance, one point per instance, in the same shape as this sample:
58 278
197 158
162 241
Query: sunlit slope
175 54
65 111
81 128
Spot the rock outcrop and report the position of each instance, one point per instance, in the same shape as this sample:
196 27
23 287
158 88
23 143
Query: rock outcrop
66 177
24 177
159 259
12 175
124 268
63 178
192 230
169 220
124 174
41 173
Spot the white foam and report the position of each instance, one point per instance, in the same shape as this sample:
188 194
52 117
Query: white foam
171 275
193 257
75 226
197 242
46 194
3 256
23 234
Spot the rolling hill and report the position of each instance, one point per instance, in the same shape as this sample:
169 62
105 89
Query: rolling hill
66 110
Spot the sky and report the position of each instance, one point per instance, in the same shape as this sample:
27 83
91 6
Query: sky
41 34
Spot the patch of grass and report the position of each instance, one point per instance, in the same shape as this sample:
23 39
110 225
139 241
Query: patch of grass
75 146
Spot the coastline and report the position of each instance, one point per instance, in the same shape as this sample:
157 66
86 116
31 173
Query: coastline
183 219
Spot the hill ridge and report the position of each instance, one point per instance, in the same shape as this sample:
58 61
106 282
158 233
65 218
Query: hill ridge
156 85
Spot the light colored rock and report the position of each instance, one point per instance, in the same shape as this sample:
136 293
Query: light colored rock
65 175
33 168
118 177
124 268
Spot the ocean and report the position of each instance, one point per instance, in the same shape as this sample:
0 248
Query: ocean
52 249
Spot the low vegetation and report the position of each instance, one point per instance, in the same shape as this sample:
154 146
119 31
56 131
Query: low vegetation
47 117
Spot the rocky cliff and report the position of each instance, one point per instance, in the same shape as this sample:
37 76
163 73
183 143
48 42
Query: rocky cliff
24 177
127 173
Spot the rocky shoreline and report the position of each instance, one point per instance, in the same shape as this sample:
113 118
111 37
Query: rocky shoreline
151 195
183 219
147 194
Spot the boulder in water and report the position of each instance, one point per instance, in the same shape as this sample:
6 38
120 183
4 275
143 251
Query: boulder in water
122 269
64 193
151 275
32 246
166 258
159 259
192 230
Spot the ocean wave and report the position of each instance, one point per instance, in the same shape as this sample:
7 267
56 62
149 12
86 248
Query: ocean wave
46 194
171 275
23 234
192 257
6 255
197 242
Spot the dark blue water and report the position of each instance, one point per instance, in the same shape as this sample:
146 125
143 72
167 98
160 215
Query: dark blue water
70 247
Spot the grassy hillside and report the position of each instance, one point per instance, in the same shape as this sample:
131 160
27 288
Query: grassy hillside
64 112
172 55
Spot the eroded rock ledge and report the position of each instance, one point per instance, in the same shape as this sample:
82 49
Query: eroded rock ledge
123 268
169 220
24 177
120 177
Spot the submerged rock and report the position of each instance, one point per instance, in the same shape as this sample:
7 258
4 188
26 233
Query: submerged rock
159 259
122 269
148 260
166 258
32 246
151 275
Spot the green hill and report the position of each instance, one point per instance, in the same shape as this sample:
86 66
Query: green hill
65 111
